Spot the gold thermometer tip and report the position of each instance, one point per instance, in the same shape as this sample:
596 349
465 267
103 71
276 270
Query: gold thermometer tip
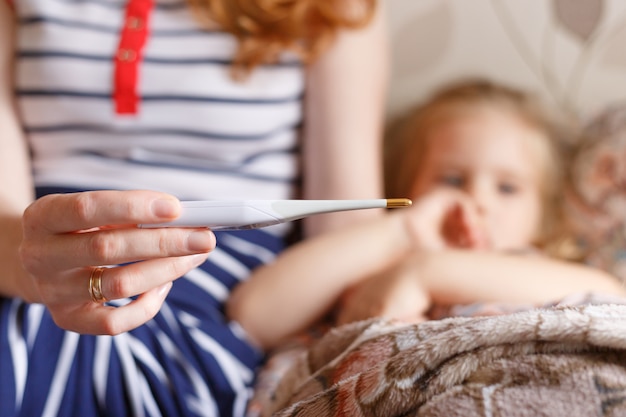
398 202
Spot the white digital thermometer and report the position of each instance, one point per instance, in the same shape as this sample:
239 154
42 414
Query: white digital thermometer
252 214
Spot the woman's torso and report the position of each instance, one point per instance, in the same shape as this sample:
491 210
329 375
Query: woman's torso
196 133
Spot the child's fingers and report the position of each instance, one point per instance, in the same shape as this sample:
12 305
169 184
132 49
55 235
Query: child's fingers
456 231
449 227
471 226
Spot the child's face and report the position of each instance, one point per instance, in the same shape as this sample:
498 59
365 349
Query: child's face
488 155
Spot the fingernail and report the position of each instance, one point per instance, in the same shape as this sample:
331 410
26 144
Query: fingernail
166 208
164 289
199 259
200 241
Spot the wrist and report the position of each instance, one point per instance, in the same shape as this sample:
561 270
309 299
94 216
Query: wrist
411 230
15 281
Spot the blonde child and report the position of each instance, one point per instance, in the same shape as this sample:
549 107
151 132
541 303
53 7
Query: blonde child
479 161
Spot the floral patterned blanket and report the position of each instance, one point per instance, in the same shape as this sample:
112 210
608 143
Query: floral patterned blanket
564 360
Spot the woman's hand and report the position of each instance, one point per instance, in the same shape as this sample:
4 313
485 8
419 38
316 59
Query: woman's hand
67 236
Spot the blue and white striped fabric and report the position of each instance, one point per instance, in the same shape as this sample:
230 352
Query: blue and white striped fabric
197 135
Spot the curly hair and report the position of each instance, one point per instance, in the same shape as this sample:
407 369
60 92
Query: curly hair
265 28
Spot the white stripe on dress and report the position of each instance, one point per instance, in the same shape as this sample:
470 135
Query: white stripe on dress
208 283
197 120
19 353
61 373
142 354
130 373
203 402
101 358
248 248
157 79
237 374
101 173
35 314
152 408
236 370
229 264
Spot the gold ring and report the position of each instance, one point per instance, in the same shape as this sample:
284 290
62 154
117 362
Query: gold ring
95 285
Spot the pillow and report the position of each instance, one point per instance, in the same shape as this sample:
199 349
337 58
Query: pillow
596 201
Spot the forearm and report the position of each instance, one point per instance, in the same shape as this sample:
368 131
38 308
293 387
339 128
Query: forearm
344 112
13 281
461 277
17 189
303 284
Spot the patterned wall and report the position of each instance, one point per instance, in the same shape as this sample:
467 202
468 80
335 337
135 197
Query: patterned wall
571 51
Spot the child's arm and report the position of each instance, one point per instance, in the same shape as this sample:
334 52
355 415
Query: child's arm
464 277
302 285
461 277
394 293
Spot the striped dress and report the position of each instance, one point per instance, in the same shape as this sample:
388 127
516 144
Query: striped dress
133 94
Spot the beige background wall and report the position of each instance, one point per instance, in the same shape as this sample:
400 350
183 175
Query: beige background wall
573 52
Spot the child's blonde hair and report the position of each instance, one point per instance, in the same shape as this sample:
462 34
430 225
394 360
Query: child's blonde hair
406 142
265 28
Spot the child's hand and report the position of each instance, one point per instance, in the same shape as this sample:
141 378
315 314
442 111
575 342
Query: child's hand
446 219
396 294
462 227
